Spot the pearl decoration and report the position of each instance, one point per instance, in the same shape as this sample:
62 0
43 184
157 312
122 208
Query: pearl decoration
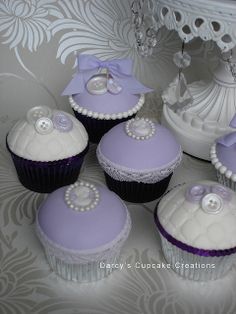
131 133
72 205
106 116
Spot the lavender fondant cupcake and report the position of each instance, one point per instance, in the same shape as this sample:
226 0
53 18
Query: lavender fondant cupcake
82 228
138 158
104 93
47 147
223 157
197 224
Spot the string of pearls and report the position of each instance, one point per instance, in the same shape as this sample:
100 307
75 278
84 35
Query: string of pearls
106 116
71 204
130 128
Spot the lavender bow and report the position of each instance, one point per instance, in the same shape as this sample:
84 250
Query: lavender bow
117 67
120 69
229 140
195 193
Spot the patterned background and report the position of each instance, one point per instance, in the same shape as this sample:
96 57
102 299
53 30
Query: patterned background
39 40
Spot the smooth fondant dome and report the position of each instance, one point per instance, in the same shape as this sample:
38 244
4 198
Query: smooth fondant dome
86 230
107 103
123 150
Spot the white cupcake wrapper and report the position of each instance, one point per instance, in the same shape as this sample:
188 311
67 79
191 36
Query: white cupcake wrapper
203 270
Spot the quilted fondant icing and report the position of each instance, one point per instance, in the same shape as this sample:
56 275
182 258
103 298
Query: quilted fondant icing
189 223
53 143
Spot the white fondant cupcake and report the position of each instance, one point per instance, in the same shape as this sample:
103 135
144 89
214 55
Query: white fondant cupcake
99 99
223 157
197 224
82 228
47 147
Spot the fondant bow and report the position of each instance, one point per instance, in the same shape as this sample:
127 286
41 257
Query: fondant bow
117 67
229 139
120 69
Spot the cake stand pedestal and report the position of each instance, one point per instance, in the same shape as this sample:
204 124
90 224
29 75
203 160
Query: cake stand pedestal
214 102
214 105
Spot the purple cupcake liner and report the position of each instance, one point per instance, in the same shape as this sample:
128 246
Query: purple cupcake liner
45 177
137 192
96 128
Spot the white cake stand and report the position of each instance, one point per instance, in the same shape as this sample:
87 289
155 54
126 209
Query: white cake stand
214 101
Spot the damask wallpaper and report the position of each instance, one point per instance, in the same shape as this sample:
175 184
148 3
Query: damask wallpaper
39 41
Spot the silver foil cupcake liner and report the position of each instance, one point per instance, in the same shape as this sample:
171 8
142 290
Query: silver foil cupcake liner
195 267
221 178
82 272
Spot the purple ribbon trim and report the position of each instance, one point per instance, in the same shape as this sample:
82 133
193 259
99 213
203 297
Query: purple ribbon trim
120 69
188 248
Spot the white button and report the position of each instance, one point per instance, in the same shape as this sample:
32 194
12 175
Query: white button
212 203
97 85
44 125
38 112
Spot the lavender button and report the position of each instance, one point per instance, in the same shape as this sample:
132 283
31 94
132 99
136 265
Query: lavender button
62 122
195 193
222 191
113 87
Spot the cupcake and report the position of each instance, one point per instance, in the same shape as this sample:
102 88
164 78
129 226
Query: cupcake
92 224
223 157
47 147
104 93
197 225
138 158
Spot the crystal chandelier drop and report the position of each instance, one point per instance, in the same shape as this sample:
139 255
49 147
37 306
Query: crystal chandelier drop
144 20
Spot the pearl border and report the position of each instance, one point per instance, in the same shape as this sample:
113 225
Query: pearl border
219 166
105 116
131 134
80 208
